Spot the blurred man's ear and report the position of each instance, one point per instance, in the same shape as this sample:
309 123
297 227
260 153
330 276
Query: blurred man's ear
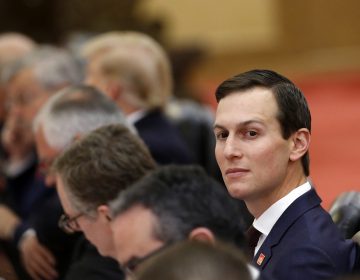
114 90
202 234
104 211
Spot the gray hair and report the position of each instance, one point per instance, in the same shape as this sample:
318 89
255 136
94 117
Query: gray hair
75 110
52 67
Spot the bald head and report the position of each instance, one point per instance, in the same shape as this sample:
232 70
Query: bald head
13 46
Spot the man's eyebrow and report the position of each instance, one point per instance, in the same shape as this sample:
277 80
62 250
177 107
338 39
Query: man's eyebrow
217 126
240 124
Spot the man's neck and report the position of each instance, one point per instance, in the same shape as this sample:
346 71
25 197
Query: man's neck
259 205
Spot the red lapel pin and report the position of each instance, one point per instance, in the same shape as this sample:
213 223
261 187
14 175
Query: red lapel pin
260 259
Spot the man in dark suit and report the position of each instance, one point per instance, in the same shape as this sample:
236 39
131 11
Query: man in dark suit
133 70
262 130
65 117
169 205
30 81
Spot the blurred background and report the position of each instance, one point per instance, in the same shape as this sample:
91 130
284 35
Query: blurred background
314 43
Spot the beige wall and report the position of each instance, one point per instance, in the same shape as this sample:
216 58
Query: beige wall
222 26
296 36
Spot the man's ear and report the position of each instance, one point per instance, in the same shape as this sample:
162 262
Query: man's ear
114 90
202 234
104 212
300 143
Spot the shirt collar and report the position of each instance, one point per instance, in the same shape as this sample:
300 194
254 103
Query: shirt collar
267 220
254 272
135 116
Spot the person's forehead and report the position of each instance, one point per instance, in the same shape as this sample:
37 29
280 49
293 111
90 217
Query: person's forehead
245 105
257 94
22 76
24 83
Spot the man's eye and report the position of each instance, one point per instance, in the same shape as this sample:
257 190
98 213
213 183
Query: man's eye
251 133
221 135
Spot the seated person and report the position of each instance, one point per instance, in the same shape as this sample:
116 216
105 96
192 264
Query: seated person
69 115
91 172
196 260
30 81
345 212
172 204
133 69
263 131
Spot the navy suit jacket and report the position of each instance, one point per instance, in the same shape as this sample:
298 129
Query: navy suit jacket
162 138
305 244
88 264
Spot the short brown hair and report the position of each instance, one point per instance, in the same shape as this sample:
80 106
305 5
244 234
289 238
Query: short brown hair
100 165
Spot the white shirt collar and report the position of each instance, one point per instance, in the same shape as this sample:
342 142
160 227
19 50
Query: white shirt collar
267 220
254 272
135 116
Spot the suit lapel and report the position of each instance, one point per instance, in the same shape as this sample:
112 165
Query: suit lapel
301 205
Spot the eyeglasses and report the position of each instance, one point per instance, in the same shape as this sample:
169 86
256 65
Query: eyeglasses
69 225
130 266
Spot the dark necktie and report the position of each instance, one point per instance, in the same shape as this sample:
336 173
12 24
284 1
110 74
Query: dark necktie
252 235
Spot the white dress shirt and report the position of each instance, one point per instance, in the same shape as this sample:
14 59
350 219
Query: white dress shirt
135 116
267 220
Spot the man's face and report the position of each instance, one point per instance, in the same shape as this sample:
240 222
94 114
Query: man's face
96 230
133 233
47 155
250 150
26 95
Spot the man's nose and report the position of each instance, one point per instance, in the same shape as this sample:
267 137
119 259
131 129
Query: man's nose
232 148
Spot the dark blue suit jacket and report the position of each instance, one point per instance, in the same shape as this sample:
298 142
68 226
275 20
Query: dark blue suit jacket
305 244
162 138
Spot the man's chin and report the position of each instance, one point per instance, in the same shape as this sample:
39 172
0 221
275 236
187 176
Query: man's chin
238 191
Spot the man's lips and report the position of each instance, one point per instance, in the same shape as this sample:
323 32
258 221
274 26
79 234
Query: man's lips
235 172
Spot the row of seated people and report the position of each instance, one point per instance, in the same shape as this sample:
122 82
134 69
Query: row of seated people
31 74
93 167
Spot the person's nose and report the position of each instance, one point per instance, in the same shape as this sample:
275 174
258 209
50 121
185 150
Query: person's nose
232 148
